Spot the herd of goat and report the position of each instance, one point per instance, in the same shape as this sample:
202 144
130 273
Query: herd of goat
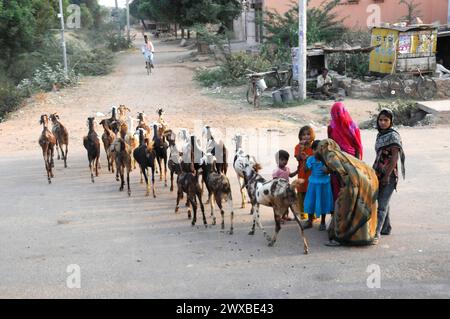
154 147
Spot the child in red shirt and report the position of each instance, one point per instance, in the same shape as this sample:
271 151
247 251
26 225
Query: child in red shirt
303 150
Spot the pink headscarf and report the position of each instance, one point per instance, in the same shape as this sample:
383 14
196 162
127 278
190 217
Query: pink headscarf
344 131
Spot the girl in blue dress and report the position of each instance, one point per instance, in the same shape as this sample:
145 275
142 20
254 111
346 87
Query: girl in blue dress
319 197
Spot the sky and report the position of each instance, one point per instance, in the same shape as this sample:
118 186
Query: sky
112 3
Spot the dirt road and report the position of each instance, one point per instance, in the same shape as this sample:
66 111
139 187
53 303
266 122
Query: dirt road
138 247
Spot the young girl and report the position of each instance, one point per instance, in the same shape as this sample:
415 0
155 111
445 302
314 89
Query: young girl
319 198
389 150
302 151
282 170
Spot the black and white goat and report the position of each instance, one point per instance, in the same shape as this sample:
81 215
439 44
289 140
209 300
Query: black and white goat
218 186
174 163
277 194
187 182
216 148
240 161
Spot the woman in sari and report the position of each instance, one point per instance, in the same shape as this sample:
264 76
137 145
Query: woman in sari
345 132
389 149
355 212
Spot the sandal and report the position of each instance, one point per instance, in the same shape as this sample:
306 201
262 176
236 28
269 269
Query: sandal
332 243
308 225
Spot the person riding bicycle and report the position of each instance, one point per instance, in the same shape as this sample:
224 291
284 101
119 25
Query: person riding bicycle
148 50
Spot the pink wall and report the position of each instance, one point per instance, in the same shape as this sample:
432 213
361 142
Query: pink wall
391 11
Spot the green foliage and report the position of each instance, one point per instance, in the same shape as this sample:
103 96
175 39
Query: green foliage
323 26
413 10
45 77
94 62
30 49
187 12
232 72
353 65
10 98
210 77
117 42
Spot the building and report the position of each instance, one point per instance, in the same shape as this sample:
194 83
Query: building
359 14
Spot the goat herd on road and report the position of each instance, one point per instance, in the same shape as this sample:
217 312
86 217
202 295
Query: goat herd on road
156 144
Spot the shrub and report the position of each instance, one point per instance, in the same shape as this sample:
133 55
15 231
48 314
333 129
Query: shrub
95 62
354 65
233 70
404 111
10 98
117 42
45 77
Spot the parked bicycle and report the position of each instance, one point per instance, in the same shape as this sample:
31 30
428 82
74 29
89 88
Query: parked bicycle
277 78
401 86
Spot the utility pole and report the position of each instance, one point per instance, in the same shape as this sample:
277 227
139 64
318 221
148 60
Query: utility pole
117 18
302 49
128 20
63 42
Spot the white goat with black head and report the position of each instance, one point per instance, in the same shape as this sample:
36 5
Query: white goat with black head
216 148
277 194
174 162
240 161
218 186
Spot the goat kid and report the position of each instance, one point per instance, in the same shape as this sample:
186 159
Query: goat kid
62 137
277 194
47 141
92 145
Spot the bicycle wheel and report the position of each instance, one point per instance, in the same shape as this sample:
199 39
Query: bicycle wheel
397 87
384 87
426 88
250 94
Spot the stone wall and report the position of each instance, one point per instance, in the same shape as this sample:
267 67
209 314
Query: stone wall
369 90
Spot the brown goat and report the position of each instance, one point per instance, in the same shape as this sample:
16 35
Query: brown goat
47 141
123 161
62 137
108 138
92 145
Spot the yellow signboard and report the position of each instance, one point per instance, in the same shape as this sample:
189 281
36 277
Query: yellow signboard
382 58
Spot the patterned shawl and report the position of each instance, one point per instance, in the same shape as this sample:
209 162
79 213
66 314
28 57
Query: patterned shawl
389 137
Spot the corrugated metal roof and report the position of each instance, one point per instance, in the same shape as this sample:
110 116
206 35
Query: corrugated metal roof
409 28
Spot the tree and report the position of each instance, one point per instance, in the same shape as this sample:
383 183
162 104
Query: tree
323 26
413 11
187 12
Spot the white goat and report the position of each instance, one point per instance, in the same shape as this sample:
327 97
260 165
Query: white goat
240 161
